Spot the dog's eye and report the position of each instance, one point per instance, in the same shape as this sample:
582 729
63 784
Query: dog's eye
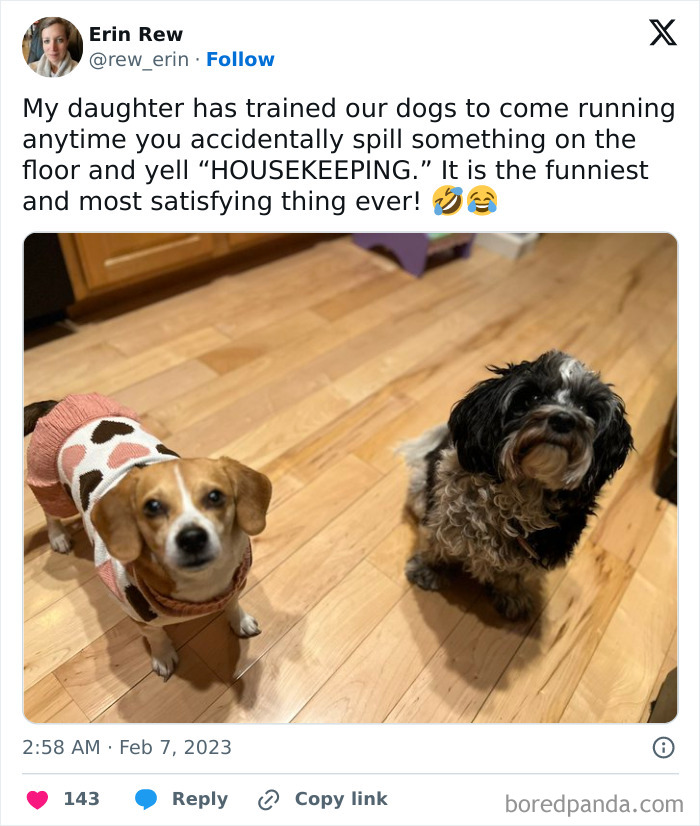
154 508
215 498
525 399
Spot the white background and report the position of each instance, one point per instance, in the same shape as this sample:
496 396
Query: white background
527 51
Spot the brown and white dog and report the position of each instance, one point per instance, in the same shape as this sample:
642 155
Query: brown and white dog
171 535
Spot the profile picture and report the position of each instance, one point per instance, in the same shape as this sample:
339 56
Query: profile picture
52 47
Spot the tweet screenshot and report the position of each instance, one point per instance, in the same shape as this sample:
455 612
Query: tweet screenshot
355 351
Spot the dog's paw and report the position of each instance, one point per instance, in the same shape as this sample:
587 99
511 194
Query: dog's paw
514 607
423 575
245 626
165 662
60 541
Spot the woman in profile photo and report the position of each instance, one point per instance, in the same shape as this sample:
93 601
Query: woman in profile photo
52 37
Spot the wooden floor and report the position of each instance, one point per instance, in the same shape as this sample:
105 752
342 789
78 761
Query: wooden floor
312 368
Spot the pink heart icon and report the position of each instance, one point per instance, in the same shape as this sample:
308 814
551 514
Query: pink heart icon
37 799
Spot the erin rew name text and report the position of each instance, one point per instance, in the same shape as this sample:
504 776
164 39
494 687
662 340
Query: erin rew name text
146 34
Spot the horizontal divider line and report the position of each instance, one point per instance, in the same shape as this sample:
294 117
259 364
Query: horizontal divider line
369 774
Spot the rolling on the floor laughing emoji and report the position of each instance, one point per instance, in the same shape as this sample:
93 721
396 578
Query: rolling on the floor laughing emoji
447 200
481 200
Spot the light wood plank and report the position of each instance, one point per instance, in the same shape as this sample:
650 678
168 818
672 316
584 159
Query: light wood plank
255 344
275 291
65 627
319 502
106 669
69 714
396 649
191 689
618 681
456 681
50 576
390 555
45 699
290 673
551 660
329 444
158 390
315 359
287 428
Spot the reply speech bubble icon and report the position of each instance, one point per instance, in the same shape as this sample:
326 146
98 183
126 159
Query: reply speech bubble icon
146 798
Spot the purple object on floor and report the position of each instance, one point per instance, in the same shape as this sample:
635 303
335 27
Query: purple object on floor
412 249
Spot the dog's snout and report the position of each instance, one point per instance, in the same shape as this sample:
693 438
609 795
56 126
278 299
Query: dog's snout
192 539
562 422
192 546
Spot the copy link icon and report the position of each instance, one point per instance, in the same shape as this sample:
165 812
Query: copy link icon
268 800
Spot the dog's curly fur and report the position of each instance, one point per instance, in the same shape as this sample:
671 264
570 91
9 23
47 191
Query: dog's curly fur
505 488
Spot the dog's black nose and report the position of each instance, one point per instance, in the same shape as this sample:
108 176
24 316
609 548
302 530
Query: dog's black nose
562 422
192 539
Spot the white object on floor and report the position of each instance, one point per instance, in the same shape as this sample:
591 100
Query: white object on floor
508 244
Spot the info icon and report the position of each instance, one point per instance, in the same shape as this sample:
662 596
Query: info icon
663 747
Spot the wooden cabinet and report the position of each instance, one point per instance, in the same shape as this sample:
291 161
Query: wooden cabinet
119 258
248 240
100 264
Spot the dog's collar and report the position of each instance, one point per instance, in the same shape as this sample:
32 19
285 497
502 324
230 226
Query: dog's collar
164 605
527 547
515 532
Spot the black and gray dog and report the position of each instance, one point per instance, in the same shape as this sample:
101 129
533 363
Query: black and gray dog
505 488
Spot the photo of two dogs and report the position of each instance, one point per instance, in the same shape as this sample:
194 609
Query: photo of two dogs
501 491
303 485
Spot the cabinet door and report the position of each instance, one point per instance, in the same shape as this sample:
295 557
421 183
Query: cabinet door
239 241
113 259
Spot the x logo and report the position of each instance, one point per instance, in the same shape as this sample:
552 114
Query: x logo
663 32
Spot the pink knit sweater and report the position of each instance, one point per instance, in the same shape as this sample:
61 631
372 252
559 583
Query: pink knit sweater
50 434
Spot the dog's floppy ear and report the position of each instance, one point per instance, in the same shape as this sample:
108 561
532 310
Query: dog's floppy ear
475 427
253 491
612 444
115 521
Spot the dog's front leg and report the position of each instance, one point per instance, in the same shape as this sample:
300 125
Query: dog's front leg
423 568
242 624
164 657
424 573
514 595
59 538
